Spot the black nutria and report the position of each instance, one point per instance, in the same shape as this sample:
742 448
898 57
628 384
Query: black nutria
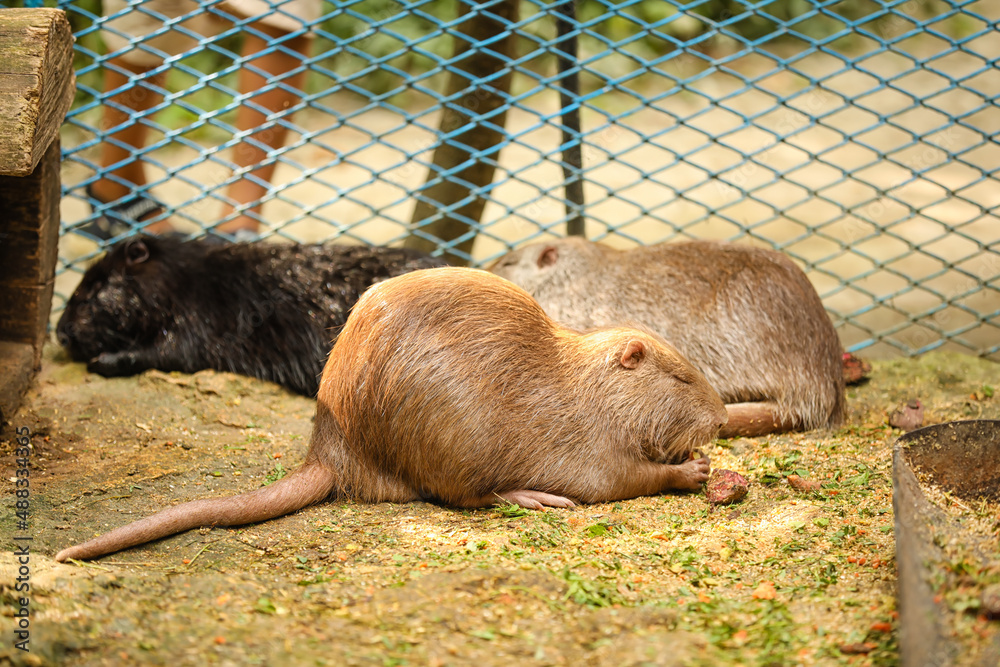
748 318
267 310
453 385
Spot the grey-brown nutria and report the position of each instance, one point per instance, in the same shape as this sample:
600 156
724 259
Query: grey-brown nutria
453 385
260 309
748 318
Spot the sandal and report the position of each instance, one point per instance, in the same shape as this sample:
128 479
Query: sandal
224 238
123 216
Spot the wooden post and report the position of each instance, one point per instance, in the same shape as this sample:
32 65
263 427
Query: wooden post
36 89
479 106
569 97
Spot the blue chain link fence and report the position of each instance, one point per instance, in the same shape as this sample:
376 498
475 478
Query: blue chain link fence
857 136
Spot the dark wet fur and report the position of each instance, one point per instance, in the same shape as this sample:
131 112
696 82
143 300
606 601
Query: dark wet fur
270 311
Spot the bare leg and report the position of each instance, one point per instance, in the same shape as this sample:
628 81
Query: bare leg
752 420
119 111
255 184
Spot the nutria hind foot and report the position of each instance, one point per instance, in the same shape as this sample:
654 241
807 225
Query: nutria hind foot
535 500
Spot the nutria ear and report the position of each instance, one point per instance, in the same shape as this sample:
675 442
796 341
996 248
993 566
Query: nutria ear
136 252
548 257
633 355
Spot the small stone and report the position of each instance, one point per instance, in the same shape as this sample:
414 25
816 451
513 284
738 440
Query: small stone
800 484
726 487
909 416
858 648
990 602
210 382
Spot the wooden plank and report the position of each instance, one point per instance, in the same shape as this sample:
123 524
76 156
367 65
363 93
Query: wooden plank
17 367
37 84
472 102
27 321
29 250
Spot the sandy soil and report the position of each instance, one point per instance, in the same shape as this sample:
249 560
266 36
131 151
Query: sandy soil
784 577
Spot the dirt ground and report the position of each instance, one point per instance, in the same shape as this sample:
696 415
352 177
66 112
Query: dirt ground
784 577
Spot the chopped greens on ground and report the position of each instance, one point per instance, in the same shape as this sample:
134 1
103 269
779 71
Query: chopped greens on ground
800 571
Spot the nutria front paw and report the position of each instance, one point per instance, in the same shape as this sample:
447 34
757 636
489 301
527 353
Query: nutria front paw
113 364
692 474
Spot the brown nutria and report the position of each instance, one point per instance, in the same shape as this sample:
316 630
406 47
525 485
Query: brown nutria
453 385
267 310
748 318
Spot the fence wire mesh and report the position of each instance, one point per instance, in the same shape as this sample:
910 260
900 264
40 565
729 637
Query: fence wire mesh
857 136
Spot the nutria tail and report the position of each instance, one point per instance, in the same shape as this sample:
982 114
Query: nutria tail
309 484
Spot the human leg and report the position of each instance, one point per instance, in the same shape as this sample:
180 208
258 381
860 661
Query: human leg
262 66
136 38
121 173
121 111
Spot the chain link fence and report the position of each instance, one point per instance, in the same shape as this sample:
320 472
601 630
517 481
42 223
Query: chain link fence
858 137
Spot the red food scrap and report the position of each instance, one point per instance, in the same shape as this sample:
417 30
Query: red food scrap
726 487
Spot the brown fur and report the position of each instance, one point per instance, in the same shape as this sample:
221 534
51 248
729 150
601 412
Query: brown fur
747 317
453 385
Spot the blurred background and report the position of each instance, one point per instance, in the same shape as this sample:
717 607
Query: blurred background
858 137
